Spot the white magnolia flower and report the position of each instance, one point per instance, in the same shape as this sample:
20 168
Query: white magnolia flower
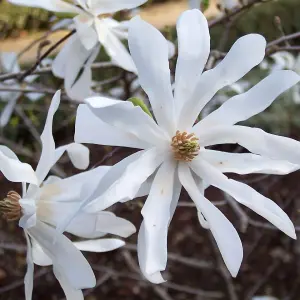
43 204
175 148
9 64
285 60
94 27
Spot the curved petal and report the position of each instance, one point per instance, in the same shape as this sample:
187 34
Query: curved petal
87 131
247 163
69 189
113 46
64 254
70 292
132 119
255 140
247 52
78 72
84 25
129 182
13 169
28 280
40 258
78 154
223 231
47 158
156 221
149 50
254 101
100 245
245 195
52 5
193 52
108 6
9 109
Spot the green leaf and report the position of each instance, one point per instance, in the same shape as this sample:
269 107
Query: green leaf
205 5
139 102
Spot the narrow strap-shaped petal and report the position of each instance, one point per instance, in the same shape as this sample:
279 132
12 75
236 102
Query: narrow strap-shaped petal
13 169
247 52
28 280
65 255
246 196
254 101
47 158
255 140
78 154
193 51
223 231
70 292
87 131
109 6
9 109
114 46
247 163
164 194
129 118
128 183
149 50
40 258
52 5
99 245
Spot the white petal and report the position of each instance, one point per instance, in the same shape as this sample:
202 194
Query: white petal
8 110
255 140
13 169
69 189
254 101
28 280
52 5
64 254
247 163
193 52
70 292
129 182
129 118
29 217
113 46
245 195
87 131
247 52
84 25
79 155
156 221
108 6
39 256
100 245
223 231
9 62
149 50
47 158
78 72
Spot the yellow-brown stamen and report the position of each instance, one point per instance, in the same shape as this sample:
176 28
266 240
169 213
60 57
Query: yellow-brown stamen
10 206
185 146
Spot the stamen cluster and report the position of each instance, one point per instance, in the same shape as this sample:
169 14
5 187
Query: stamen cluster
10 206
185 146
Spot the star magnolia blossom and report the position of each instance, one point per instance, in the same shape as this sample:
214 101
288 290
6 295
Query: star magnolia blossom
9 64
94 27
45 203
175 148
285 60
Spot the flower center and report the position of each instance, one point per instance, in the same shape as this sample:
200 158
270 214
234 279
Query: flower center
185 146
10 206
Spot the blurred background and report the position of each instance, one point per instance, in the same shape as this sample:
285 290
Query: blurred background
271 265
